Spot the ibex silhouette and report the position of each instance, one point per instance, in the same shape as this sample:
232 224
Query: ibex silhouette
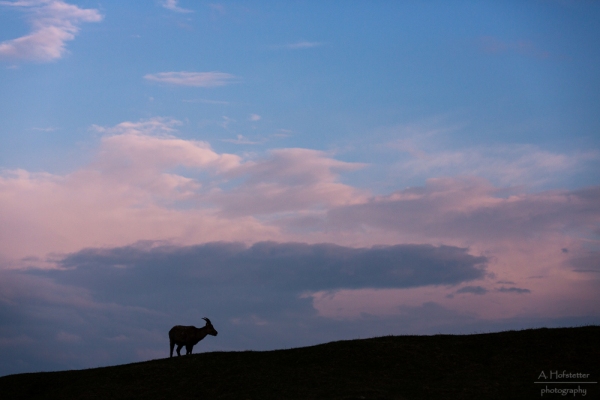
189 336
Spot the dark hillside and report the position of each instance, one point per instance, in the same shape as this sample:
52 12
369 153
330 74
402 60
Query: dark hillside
501 365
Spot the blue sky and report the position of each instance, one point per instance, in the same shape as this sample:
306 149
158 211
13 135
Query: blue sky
130 129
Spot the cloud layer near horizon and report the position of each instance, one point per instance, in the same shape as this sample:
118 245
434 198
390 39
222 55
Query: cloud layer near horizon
272 266
107 306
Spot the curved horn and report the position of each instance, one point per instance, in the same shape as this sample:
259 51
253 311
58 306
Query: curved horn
207 321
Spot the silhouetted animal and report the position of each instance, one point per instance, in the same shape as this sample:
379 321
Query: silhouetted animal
189 336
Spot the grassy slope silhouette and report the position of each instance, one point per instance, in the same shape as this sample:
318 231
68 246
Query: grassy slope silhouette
481 366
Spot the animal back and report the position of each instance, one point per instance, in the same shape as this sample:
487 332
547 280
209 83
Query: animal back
181 334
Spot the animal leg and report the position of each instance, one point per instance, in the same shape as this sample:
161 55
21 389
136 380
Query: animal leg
179 346
172 344
189 349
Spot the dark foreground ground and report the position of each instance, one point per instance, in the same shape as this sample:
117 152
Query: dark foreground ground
501 365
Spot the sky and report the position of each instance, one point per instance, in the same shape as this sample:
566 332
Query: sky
298 172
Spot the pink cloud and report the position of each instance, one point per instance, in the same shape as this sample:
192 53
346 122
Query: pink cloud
289 180
131 192
522 234
145 183
53 23
471 208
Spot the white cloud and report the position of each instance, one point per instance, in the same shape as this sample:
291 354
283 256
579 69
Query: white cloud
226 121
282 133
217 7
199 79
206 101
53 22
172 5
426 151
241 139
255 117
48 129
503 164
302 45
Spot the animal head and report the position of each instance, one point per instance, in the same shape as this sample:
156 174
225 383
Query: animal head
210 328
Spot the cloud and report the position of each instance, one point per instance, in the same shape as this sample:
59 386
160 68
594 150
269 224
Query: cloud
117 304
288 180
289 267
302 45
53 23
505 165
172 5
47 326
513 290
149 145
240 140
206 101
144 183
585 261
196 79
427 150
391 256
254 117
472 289
220 8
447 208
